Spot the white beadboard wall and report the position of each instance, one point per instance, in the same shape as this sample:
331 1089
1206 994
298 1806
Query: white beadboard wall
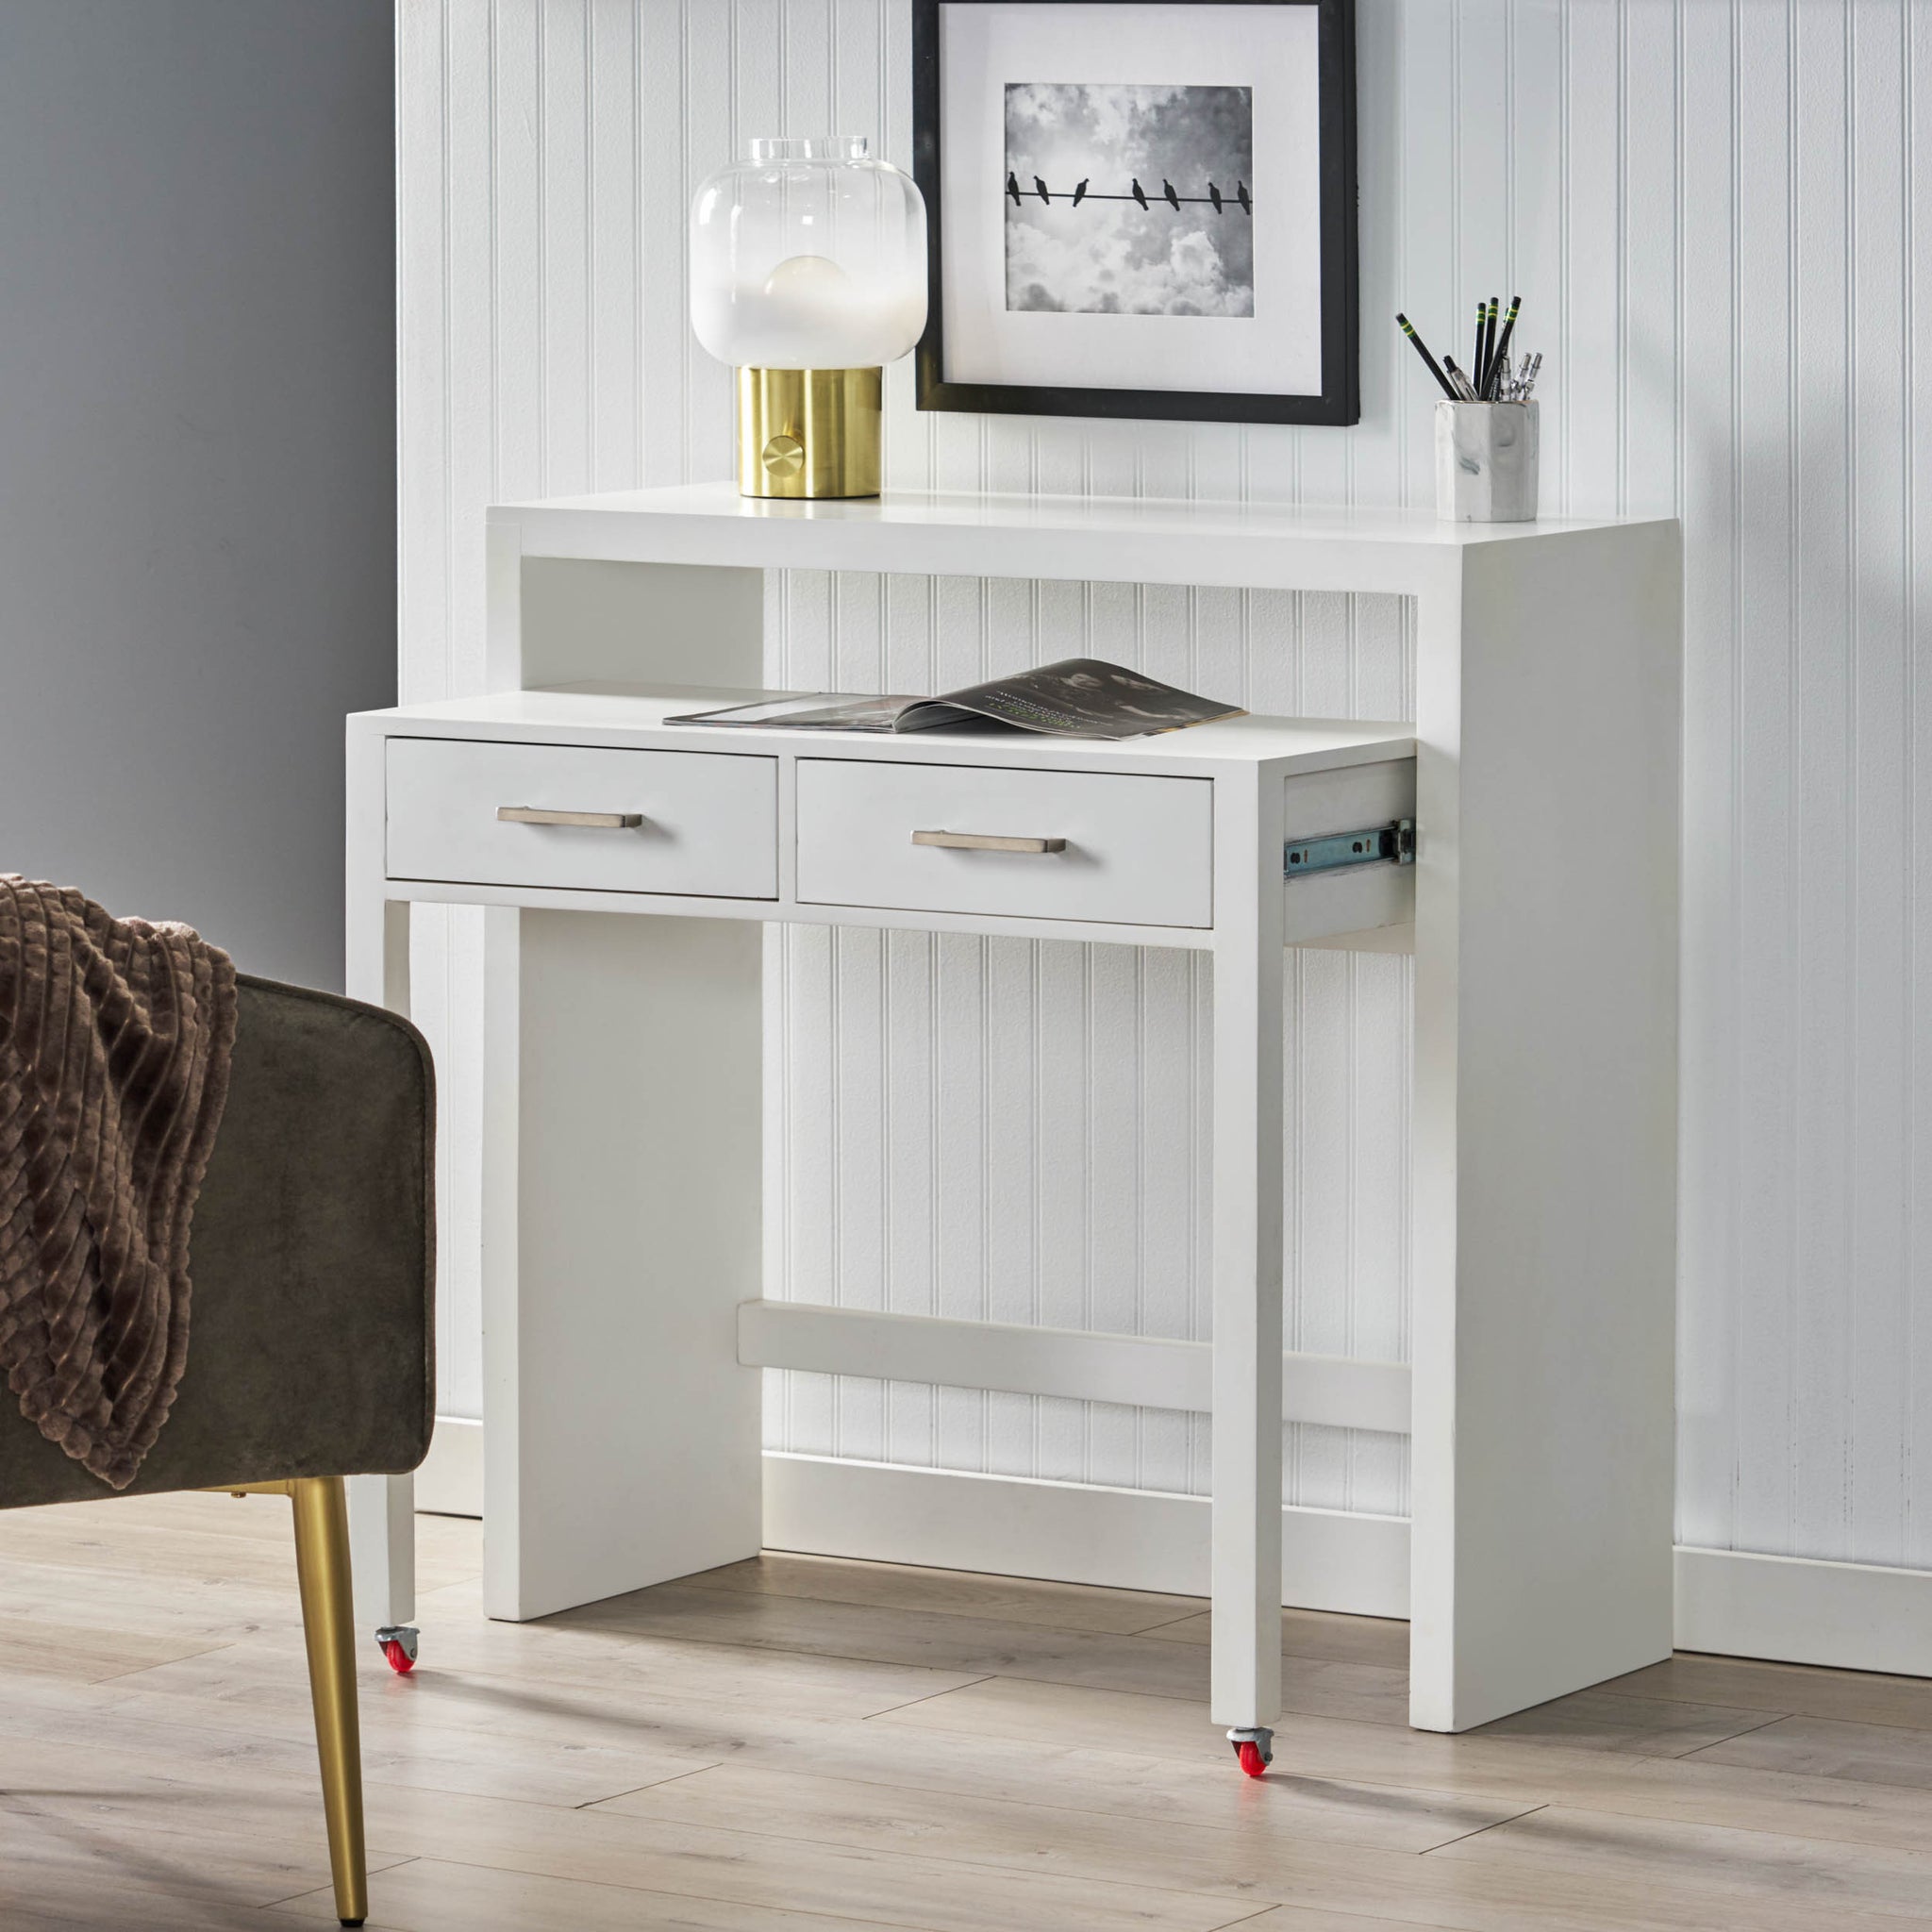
1712 210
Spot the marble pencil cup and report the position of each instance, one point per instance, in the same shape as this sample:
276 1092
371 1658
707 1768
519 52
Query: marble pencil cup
1486 462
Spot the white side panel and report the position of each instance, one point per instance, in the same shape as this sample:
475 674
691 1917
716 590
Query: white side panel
618 1253
1546 1127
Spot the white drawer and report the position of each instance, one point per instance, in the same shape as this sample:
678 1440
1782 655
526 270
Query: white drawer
707 822
1135 851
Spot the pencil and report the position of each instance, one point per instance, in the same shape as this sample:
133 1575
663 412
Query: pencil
1489 375
1509 325
1475 361
1429 360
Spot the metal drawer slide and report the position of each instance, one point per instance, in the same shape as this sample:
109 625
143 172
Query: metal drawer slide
1390 844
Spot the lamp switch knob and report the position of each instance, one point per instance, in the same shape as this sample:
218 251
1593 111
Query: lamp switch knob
783 456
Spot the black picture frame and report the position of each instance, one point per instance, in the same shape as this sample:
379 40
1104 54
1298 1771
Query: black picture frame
1339 401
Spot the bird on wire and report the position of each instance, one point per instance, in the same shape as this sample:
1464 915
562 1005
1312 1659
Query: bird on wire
1013 189
1079 194
1040 189
1140 193
1174 200
1214 195
1241 194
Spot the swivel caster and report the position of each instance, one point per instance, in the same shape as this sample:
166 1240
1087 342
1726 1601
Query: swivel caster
397 1643
1254 1749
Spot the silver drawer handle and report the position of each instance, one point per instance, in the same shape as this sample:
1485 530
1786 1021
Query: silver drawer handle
987 841
541 815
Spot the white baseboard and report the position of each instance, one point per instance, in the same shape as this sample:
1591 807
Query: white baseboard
450 1482
1073 1532
1789 1610
1852 1616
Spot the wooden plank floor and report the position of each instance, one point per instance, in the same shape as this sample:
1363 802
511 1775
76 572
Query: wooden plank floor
803 1745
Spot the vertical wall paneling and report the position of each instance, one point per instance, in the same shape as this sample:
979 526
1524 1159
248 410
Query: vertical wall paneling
1710 506
1878 1393
1712 211
1766 981
1915 1355
1917 70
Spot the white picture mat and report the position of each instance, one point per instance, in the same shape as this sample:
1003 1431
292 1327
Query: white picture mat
1273 50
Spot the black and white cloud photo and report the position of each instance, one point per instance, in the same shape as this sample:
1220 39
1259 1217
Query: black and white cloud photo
1129 200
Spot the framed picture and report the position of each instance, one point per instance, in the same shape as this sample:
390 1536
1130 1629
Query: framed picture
1138 208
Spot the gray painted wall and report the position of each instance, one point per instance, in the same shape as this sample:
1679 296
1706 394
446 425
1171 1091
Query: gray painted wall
197 502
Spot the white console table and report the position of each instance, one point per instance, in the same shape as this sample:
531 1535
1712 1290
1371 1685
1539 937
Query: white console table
622 1317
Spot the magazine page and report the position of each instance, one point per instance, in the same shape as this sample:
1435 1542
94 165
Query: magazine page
825 710
1077 697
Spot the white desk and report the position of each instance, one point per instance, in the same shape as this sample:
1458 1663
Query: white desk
622 1292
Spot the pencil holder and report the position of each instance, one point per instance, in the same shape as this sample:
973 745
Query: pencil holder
1486 462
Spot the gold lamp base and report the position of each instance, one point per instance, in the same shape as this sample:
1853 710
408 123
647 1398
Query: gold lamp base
808 432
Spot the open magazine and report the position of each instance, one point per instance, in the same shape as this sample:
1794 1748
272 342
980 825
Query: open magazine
1078 697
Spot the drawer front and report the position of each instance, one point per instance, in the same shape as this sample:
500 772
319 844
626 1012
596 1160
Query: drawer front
707 822
1131 851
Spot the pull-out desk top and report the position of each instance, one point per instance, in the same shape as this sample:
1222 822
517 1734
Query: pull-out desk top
598 712
840 826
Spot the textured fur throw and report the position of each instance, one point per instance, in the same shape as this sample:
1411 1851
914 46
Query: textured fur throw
114 1045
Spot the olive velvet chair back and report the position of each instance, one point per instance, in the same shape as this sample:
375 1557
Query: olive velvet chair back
311 1261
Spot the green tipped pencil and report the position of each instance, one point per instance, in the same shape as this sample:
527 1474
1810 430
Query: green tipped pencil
1475 360
1501 359
1429 360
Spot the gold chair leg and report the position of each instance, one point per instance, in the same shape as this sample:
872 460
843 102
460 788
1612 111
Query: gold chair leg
322 1565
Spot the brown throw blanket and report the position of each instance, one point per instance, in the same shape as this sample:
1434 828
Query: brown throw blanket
114 1044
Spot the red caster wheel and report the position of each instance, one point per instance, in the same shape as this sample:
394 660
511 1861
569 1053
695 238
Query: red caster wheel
1254 1750
397 1643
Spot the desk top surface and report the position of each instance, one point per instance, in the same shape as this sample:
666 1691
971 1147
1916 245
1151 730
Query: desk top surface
1114 539
1139 516
623 715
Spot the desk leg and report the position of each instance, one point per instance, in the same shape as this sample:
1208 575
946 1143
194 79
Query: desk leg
1248 977
621 1196
382 1518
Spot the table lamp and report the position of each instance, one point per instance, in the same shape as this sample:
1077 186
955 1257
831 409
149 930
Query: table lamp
807 272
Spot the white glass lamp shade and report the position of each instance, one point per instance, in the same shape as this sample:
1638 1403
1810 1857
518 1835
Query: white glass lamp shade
808 255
